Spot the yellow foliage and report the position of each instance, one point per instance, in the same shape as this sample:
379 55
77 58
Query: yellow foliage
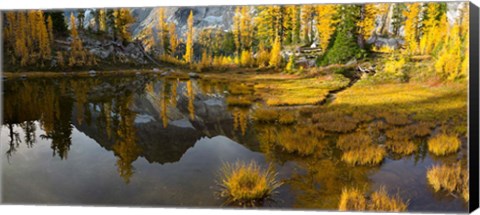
325 24
411 27
383 49
173 38
449 62
189 45
246 58
366 26
275 57
263 56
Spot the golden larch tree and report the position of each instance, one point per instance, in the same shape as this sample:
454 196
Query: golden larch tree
275 57
411 26
50 29
325 24
161 30
77 54
189 46
307 15
173 38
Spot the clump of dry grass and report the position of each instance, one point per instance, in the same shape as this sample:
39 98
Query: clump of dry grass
265 115
450 178
380 201
367 155
353 141
335 121
444 177
285 117
395 118
240 101
247 184
464 186
420 129
404 147
443 144
352 199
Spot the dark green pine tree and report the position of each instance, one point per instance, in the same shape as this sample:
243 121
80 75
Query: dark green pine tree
58 22
397 17
345 46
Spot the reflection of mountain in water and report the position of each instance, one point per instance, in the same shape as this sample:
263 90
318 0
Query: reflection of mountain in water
138 116
162 141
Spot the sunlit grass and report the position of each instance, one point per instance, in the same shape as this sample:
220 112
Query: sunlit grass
400 104
443 144
240 89
266 115
403 147
450 178
247 184
306 91
286 117
381 201
240 101
352 199
368 155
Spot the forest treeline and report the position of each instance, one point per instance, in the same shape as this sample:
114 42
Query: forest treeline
260 37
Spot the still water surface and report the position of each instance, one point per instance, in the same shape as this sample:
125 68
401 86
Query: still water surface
159 141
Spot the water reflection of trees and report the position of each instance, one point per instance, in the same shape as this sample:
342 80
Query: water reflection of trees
320 176
125 147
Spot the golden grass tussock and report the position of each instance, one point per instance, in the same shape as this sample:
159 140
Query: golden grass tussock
247 184
353 141
302 140
403 147
443 144
408 132
450 178
335 121
265 115
395 118
284 117
240 101
352 199
368 155
381 201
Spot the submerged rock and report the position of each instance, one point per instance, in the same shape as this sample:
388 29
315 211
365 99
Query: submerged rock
92 72
193 75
